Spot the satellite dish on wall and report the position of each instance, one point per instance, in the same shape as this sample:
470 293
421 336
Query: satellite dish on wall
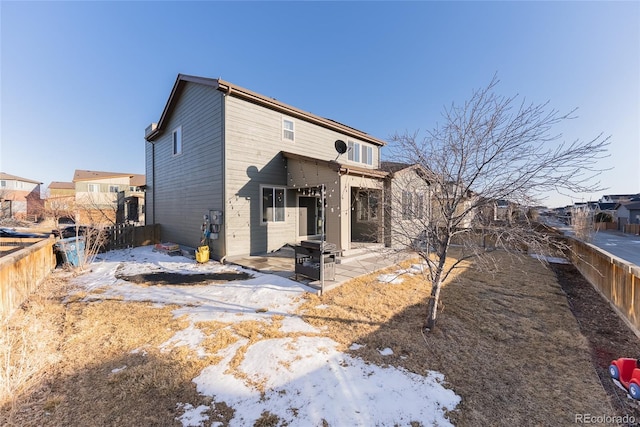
341 146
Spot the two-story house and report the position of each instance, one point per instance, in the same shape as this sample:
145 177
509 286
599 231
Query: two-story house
19 197
108 197
256 168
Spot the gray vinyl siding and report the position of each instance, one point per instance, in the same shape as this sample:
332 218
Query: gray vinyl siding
253 146
148 195
190 184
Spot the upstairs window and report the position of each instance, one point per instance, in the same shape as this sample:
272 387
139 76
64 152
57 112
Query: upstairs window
3 183
367 155
354 151
176 136
113 189
288 130
93 188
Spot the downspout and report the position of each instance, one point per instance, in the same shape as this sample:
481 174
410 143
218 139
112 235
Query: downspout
223 144
153 186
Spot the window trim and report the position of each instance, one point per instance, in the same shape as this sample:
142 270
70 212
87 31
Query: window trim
176 141
91 185
285 129
367 154
273 195
413 205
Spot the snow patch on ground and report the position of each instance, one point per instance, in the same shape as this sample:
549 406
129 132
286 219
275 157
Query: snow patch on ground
393 279
302 378
386 352
550 259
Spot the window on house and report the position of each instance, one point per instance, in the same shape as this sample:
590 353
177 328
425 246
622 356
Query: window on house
93 188
419 214
367 155
113 189
367 206
177 140
273 203
407 205
354 151
3 183
288 130
412 205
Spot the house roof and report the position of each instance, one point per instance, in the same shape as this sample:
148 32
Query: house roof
631 206
394 166
256 98
59 185
339 167
10 177
617 197
86 175
138 180
607 206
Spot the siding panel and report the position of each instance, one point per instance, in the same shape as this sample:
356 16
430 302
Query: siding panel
189 184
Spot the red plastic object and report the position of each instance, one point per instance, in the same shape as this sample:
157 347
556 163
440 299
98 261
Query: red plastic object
627 372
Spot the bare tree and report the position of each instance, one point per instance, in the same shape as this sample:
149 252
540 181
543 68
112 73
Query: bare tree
491 159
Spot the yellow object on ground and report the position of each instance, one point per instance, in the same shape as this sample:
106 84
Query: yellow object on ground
202 254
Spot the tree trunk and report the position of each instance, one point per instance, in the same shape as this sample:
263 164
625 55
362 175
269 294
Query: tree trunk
432 307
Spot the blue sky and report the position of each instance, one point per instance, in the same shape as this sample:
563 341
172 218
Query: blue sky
80 81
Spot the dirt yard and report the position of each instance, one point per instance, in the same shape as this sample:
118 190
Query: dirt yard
528 346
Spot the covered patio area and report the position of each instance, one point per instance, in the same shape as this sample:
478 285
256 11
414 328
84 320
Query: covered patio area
359 263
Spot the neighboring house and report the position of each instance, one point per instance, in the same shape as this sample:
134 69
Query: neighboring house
407 202
256 167
618 198
628 213
19 197
60 200
108 197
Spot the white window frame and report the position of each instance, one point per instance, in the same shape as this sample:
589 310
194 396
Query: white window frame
176 141
3 183
93 188
286 130
353 149
274 217
113 188
367 155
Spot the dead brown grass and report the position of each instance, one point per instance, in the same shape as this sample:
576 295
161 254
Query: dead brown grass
507 343
100 363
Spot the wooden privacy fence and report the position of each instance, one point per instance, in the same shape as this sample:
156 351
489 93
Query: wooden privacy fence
615 278
129 236
22 271
632 228
12 244
605 226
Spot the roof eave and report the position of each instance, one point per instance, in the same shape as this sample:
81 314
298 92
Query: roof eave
177 86
253 97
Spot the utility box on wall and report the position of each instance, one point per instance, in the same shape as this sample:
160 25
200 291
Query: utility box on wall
215 217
